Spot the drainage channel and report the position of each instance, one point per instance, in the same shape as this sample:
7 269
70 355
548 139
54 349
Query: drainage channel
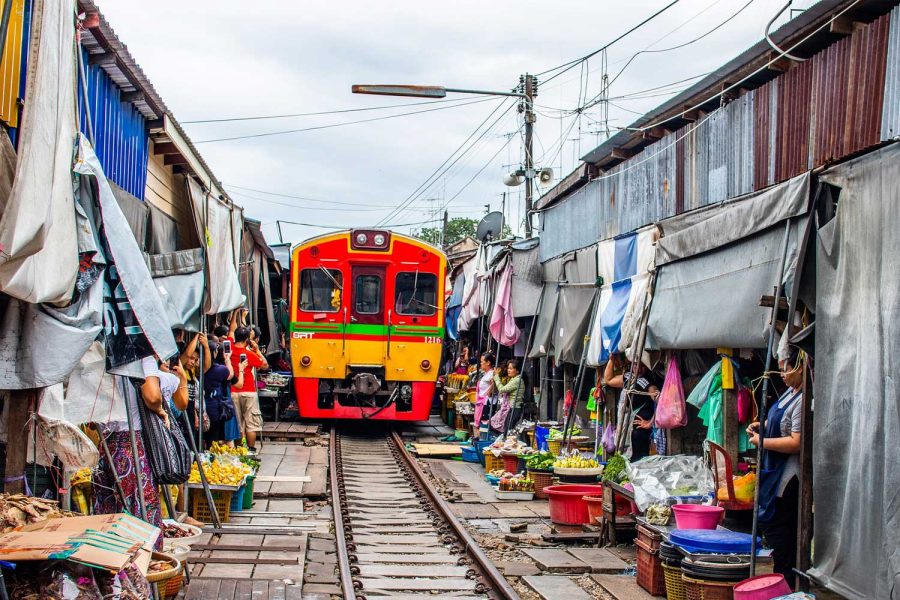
396 536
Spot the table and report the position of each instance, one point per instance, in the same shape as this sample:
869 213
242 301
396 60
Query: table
614 490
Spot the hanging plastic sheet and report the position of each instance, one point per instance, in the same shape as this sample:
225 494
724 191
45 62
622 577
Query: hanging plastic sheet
136 212
857 426
542 344
454 306
576 301
624 263
163 233
38 240
57 438
134 316
215 223
527 277
503 325
718 261
475 270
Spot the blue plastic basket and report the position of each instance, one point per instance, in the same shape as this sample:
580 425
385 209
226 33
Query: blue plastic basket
479 446
470 454
237 499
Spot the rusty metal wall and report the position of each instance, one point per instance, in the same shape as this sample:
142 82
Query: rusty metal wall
890 114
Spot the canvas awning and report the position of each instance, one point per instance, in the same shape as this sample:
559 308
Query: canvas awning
527 279
541 343
714 264
576 301
857 426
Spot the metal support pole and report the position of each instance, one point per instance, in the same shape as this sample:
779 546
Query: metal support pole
84 93
112 466
201 405
765 390
203 481
139 477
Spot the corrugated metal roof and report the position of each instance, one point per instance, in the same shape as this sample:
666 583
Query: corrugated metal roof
890 115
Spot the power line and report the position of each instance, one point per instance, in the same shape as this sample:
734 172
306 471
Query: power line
572 63
341 227
437 172
332 125
480 171
320 113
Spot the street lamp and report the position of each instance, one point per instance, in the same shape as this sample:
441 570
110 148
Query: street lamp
528 87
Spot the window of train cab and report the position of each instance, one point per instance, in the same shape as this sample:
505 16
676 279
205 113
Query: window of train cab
320 291
415 295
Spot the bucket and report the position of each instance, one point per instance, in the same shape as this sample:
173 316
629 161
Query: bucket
248 492
697 516
567 505
762 587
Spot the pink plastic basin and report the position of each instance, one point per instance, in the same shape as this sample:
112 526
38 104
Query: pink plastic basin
567 504
762 587
697 516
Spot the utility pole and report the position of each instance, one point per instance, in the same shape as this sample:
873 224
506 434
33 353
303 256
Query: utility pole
444 230
529 88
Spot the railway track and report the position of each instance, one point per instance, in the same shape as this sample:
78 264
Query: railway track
396 537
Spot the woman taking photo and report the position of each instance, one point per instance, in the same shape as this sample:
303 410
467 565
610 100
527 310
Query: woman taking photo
779 472
485 387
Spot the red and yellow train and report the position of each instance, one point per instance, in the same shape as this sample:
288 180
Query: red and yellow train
367 316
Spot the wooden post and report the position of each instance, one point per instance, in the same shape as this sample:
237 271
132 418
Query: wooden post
20 402
729 409
805 500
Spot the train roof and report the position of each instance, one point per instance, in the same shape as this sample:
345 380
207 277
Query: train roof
347 232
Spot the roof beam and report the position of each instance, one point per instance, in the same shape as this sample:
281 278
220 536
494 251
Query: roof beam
174 159
103 60
844 25
132 97
165 148
621 154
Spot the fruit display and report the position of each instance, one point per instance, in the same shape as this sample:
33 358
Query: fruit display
510 445
540 461
252 462
220 472
576 461
221 448
516 483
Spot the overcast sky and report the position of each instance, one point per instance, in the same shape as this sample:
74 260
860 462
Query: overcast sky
213 59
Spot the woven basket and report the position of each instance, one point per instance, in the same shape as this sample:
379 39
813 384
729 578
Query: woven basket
541 479
674 584
168 582
554 446
698 589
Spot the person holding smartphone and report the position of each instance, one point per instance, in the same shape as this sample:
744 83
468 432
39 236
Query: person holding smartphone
245 358
779 473
643 402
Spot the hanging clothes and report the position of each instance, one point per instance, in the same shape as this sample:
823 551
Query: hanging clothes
708 395
503 323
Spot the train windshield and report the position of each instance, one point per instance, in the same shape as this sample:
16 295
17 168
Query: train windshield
416 294
320 290
367 295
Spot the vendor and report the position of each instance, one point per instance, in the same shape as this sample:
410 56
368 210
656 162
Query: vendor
485 386
644 394
512 398
779 472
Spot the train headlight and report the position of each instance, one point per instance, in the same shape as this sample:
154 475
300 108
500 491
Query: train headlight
379 239
305 361
425 364
361 239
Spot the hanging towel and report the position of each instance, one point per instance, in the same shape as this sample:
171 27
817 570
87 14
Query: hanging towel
503 323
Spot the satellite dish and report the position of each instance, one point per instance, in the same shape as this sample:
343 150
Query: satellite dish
491 227
545 176
513 179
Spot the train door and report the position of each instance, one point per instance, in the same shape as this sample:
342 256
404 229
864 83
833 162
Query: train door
367 316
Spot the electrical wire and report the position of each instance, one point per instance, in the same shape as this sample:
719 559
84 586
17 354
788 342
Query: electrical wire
342 227
436 174
320 113
480 171
571 64
332 202
344 124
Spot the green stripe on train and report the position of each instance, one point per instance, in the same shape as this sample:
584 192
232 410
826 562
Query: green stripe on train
363 329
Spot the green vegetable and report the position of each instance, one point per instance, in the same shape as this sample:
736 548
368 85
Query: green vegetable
557 434
540 460
615 469
251 461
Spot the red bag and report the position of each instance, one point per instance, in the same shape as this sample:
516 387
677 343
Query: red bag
670 408
744 405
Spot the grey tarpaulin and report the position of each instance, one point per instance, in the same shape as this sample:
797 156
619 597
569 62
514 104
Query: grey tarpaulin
527 277
856 435
163 232
179 279
542 343
713 265
576 298
133 273
136 212
38 241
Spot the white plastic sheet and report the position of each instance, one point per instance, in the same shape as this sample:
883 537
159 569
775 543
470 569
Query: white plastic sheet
38 243
655 478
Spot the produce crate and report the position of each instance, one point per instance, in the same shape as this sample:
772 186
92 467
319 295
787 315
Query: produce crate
511 463
492 463
541 479
470 454
674 583
697 589
221 498
649 570
237 499
649 537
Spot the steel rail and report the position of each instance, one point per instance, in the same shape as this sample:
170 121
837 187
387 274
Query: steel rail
500 587
337 509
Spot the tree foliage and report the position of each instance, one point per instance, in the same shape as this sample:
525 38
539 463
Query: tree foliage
457 228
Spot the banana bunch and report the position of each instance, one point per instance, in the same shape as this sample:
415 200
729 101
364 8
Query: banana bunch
221 448
575 462
219 473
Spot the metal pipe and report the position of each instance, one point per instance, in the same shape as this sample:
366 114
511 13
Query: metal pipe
765 389
84 92
142 503
112 466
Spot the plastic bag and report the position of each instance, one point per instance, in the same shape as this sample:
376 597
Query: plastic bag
609 438
671 411
53 580
655 478
744 405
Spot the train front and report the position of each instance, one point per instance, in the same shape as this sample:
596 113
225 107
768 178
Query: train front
367 325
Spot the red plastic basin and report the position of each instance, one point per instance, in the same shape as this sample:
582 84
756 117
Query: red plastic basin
762 587
697 516
567 504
